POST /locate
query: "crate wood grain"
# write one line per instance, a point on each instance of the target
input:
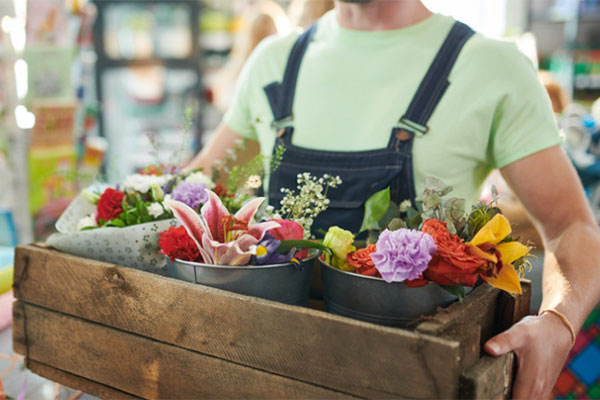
(118, 332)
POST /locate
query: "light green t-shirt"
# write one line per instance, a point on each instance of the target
(353, 87)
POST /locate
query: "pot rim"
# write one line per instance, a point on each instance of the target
(374, 278)
(242, 267)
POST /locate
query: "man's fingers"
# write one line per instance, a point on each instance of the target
(511, 339)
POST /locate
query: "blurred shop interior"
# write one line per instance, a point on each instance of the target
(93, 90)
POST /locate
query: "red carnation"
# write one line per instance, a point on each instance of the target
(176, 243)
(361, 260)
(109, 205)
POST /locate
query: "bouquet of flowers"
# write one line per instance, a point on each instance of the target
(436, 241)
(217, 236)
(121, 225)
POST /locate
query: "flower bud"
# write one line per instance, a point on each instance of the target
(92, 197)
(157, 193)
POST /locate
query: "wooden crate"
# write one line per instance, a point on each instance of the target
(117, 332)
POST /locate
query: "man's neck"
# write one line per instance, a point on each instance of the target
(381, 15)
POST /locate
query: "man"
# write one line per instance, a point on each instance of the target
(333, 95)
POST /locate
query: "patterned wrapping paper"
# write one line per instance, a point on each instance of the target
(133, 246)
(580, 379)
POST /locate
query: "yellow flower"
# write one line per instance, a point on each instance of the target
(340, 242)
(496, 230)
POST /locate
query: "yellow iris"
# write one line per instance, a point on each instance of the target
(494, 232)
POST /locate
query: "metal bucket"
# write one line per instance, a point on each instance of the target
(374, 300)
(285, 283)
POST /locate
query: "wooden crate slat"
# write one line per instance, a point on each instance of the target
(304, 344)
(74, 381)
(147, 368)
(490, 378)
(478, 308)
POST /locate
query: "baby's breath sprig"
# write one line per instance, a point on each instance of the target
(277, 157)
(309, 201)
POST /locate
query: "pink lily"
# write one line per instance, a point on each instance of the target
(222, 238)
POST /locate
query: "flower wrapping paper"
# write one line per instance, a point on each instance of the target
(133, 246)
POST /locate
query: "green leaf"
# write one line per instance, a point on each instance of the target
(287, 245)
(411, 213)
(431, 200)
(494, 194)
(434, 184)
(375, 209)
(117, 222)
(415, 222)
(396, 223)
(458, 291)
(130, 219)
(373, 237)
(142, 209)
(393, 212)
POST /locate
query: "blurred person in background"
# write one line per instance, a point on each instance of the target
(259, 21)
(303, 13)
(385, 92)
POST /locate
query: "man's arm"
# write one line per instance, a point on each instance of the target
(548, 186)
(216, 150)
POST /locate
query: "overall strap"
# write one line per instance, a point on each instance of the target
(434, 84)
(281, 95)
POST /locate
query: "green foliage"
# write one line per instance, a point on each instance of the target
(376, 207)
(481, 214)
(458, 291)
(287, 245)
(277, 157)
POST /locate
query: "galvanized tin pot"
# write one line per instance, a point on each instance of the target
(374, 300)
(285, 283)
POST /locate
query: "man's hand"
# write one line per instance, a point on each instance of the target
(548, 186)
(542, 345)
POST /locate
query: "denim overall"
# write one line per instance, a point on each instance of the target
(363, 173)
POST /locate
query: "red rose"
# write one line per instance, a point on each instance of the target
(222, 192)
(289, 230)
(109, 205)
(362, 262)
(452, 264)
(176, 243)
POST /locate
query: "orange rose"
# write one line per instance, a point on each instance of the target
(361, 261)
(452, 264)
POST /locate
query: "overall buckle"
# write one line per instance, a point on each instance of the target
(417, 129)
(283, 123)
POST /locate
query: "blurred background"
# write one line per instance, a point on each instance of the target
(93, 90)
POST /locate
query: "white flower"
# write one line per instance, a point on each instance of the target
(156, 210)
(254, 182)
(405, 205)
(86, 222)
(92, 197)
(142, 183)
(201, 178)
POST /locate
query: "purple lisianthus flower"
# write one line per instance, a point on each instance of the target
(192, 194)
(403, 254)
(266, 252)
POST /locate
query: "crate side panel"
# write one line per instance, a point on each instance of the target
(308, 345)
(77, 382)
(145, 367)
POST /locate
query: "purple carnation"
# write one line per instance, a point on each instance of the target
(403, 254)
(192, 194)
